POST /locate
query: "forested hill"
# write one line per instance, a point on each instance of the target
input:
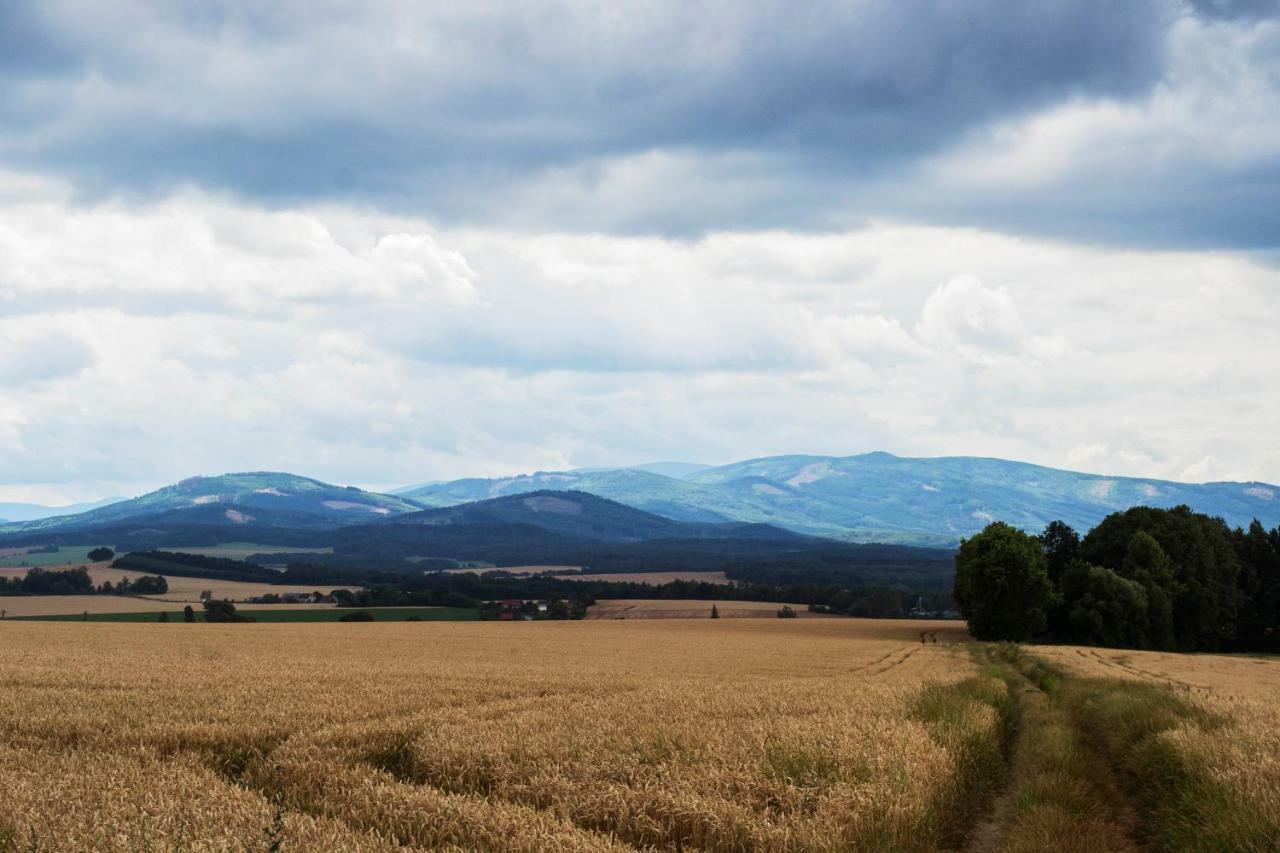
(251, 500)
(879, 497)
(578, 529)
(575, 513)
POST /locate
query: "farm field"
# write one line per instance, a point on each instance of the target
(1246, 678)
(657, 608)
(729, 735)
(295, 613)
(73, 555)
(25, 606)
(186, 589)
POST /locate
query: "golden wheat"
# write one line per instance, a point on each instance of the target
(747, 735)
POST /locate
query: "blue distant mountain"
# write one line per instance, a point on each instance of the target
(874, 497)
(880, 497)
(35, 512)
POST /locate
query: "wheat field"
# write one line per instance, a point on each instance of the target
(1230, 744)
(181, 591)
(726, 735)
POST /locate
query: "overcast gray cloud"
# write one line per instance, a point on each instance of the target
(530, 114)
(371, 348)
(1233, 9)
(385, 243)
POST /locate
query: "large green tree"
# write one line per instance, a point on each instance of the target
(1199, 578)
(1104, 608)
(1002, 584)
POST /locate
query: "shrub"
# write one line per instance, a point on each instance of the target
(358, 616)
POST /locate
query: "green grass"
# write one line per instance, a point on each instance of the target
(77, 554)
(313, 614)
(65, 555)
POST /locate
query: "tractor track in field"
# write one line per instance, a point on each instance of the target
(1129, 669)
(862, 668)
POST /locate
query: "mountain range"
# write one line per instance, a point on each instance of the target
(872, 497)
(879, 496)
(584, 515)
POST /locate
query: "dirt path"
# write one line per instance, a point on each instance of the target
(1061, 794)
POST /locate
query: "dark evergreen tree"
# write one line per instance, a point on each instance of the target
(1061, 545)
(1203, 568)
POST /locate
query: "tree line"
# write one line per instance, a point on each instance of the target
(1145, 578)
(466, 589)
(821, 586)
(38, 581)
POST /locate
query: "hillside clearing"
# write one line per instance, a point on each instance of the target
(244, 550)
(653, 578)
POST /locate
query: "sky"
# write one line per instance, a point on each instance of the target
(387, 242)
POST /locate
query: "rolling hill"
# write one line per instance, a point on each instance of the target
(881, 497)
(261, 499)
(570, 528)
(581, 514)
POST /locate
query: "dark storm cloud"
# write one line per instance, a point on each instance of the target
(790, 114)
(1232, 9)
(853, 83)
(31, 44)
